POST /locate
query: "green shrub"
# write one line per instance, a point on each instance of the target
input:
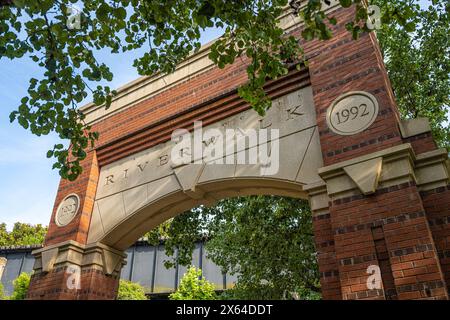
(194, 287)
(131, 291)
(21, 285)
(2, 292)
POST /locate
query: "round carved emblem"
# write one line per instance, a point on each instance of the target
(352, 113)
(67, 210)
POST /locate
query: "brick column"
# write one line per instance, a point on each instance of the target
(385, 227)
(324, 242)
(85, 187)
(71, 271)
(437, 207)
(65, 268)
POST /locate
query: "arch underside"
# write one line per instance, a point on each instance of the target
(131, 228)
(138, 193)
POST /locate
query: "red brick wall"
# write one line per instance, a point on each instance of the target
(403, 233)
(341, 65)
(326, 256)
(85, 187)
(437, 207)
(53, 286)
(422, 143)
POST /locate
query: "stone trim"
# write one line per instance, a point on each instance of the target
(2, 266)
(400, 165)
(414, 127)
(93, 256)
(432, 170)
(318, 199)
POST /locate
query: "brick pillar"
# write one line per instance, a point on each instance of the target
(375, 214)
(437, 206)
(65, 268)
(71, 271)
(85, 188)
(324, 242)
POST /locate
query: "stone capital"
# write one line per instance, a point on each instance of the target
(318, 197)
(97, 256)
(386, 168)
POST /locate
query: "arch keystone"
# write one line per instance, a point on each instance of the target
(188, 177)
(111, 261)
(366, 175)
(48, 259)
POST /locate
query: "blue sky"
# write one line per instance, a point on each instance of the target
(28, 185)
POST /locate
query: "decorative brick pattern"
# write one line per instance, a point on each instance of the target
(94, 284)
(407, 238)
(437, 206)
(422, 143)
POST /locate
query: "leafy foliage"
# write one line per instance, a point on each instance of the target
(131, 291)
(418, 64)
(194, 287)
(169, 29)
(23, 234)
(2, 292)
(266, 240)
(21, 285)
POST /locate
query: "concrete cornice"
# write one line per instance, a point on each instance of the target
(72, 253)
(385, 168)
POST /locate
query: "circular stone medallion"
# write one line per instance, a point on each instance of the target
(67, 210)
(352, 113)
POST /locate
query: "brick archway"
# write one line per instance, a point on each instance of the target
(380, 196)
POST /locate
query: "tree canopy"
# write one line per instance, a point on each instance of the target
(130, 291)
(194, 287)
(22, 234)
(266, 241)
(418, 64)
(48, 32)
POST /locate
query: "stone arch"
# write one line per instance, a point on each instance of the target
(137, 193)
(130, 229)
(378, 186)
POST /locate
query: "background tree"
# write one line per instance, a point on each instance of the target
(418, 64)
(266, 241)
(131, 291)
(22, 234)
(47, 31)
(2, 292)
(4, 235)
(194, 287)
(21, 285)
